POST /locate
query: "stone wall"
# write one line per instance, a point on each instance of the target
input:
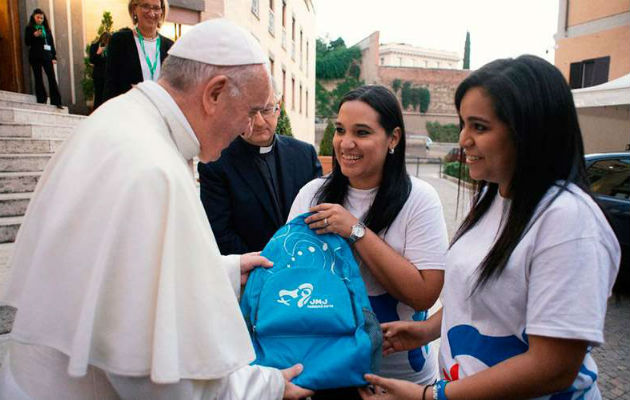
(441, 83)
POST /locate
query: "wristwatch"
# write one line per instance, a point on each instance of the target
(358, 231)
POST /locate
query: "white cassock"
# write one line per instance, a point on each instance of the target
(120, 287)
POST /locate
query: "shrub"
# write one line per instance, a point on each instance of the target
(454, 169)
(325, 146)
(448, 133)
(284, 123)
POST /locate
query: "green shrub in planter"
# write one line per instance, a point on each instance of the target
(455, 168)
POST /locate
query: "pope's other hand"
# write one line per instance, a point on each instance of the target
(250, 261)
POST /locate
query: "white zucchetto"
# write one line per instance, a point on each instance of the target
(224, 43)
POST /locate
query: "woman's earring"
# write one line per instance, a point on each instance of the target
(391, 150)
(135, 19)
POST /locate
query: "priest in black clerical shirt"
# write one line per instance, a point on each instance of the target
(248, 192)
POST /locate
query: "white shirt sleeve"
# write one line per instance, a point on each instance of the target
(247, 383)
(232, 266)
(304, 199)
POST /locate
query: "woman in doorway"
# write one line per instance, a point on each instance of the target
(98, 58)
(135, 55)
(531, 267)
(42, 55)
(394, 222)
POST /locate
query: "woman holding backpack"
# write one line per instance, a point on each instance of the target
(532, 265)
(394, 222)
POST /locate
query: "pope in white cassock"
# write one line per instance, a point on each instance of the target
(120, 288)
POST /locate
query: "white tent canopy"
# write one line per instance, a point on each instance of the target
(613, 93)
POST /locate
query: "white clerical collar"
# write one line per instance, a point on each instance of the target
(267, 149)
(183, 134)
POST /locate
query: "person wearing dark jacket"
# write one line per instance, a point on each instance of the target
(248, 192)
(135, 55)
(98, 54)
(42, 55)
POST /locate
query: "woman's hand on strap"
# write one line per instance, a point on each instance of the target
(331, 218)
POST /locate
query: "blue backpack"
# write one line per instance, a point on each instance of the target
(312, 308)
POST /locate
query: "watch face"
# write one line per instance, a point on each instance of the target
(358, 231)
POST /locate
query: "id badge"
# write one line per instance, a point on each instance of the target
(47, 47)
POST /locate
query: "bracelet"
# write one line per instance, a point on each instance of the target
(439, 390)
(424, 392)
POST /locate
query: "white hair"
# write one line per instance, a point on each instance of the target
(183, 74)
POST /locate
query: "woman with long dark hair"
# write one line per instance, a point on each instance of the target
(532, 265)
(98, 58)
(42, 55)
(393, 221)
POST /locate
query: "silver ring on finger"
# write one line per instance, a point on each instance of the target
(325, 222)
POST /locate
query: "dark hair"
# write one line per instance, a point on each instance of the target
(103, 39)
(395, 185)
(31, 21)
(533, 99)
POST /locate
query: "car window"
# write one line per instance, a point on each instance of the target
(610, 177)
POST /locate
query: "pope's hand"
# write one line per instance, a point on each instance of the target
(390, 389)
(292, 391)
(250, 261)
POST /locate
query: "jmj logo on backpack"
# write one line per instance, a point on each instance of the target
(303, 294)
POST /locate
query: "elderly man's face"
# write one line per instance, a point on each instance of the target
(264, 124)
(236, 113)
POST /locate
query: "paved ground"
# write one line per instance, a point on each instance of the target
(613, 358)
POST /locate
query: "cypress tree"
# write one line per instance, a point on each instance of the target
(467, 51)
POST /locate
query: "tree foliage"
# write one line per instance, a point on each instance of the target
(284, 123)
(416, 98)
(448, 133)
(467, 51)
(396, 84)
(325, 146)
(334, 59)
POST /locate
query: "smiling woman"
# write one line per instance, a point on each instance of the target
(393, 221)
(136, 55)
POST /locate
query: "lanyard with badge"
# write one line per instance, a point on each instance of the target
(41, 28)
(151, 66)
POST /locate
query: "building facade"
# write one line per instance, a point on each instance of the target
(406, 55)
(284, 28)
(592, 42)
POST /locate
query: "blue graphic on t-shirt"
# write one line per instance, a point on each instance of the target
(491, 350)
(384, 306)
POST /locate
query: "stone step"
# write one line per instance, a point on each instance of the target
(14, 204)
(18, 182)
(12, 115)
(23, 162)
(30, 106)
(36, 131)
(19, 97)
(25, 145)
(9, 227)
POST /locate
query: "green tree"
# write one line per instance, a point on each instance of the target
(334, 59)
(467, 51)
(396, 85)
(284, 123)
(425, 99)
(405, 95)
(325, 146)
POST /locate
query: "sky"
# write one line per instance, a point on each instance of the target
(498, 28)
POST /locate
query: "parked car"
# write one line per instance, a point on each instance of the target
(454, 154)
(609, 178)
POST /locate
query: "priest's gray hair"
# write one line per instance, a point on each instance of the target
(183, 74)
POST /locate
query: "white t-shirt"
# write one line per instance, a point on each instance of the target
(150, 47)
(419, 234)
(555, 284)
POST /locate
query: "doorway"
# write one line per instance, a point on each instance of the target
(11, 73)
